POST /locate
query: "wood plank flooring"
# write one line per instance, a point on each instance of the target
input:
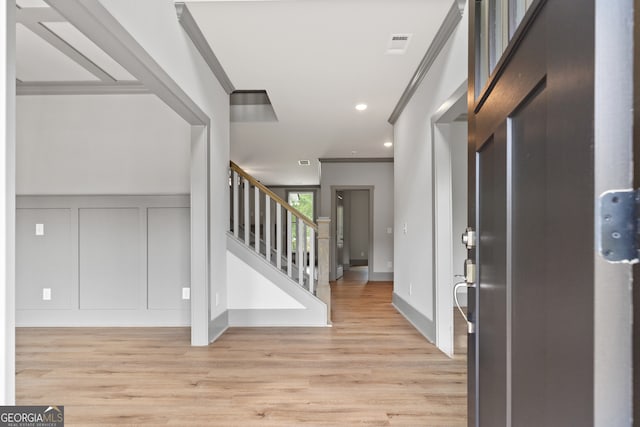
(371, 369)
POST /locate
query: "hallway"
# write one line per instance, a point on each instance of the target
(371, 368)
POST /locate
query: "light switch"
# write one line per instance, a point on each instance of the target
(39, 229)
(186, 293)
(389, 230)
(46, 294)
(389, 264)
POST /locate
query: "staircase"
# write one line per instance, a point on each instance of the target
(284, 239)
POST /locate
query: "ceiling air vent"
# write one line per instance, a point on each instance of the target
(398, 44)
(304, 162)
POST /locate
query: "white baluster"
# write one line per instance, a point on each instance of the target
(236, 202)
(279, 236)
(267, 226)
(289, 254)
(256, 219)
(247, 218)
(312, 259)
(301, 249)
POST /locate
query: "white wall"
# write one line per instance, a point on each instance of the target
(413, 171)
(359, 225)
(101, 144)
(250, 290)
(7, 202)
(153, 23)
(458, 143)
(379, 175)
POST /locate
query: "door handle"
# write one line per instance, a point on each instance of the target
(469, 240)
(470, 274)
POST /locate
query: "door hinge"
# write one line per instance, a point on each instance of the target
(618, 229)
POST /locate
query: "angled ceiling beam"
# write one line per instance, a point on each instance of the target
(32, 18)
(70, 51)
(38, 14)
(192, 29)
(92, 19)
(81, 88)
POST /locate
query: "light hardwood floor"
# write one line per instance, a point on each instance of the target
(371, 369)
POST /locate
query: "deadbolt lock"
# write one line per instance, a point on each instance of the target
(469, 238)
(470, 273)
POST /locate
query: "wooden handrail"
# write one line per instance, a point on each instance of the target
(273, 195)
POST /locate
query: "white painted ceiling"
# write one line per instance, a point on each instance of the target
(38, 60)
(316, 59)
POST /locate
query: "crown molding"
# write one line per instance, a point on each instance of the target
(356, 160)
(192, 29)
(454, 16)
(80, 88)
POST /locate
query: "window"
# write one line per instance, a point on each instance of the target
(303, 201)
(496, 23)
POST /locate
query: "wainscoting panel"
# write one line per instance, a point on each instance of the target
(168, 262)
(107, 260)
(44, 259)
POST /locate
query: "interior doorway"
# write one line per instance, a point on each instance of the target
(353, 247)
(449, 155)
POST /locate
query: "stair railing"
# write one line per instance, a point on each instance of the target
(251, 221)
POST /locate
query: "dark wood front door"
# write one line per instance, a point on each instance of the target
(532, 163)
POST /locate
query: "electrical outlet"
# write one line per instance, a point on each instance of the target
(186, 293)
(389, 264)
(46, 294)
(361, 253)
(404, 229)
(39, 229)
(410, 288)
(217, 299)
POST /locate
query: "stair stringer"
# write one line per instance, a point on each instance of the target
(312, 313)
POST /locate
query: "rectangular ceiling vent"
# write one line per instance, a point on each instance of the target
(398, 44)
(304, 162)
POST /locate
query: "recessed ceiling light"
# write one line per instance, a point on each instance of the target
(388, 144)
(361, 107)
(304, 162)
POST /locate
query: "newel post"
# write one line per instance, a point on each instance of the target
(323, 290)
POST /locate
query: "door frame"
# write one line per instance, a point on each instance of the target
(613, 145)
(444, 242)
(96, 22)
(636, 184)
(333, 228)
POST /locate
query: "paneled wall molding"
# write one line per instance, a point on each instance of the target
(104, 260)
